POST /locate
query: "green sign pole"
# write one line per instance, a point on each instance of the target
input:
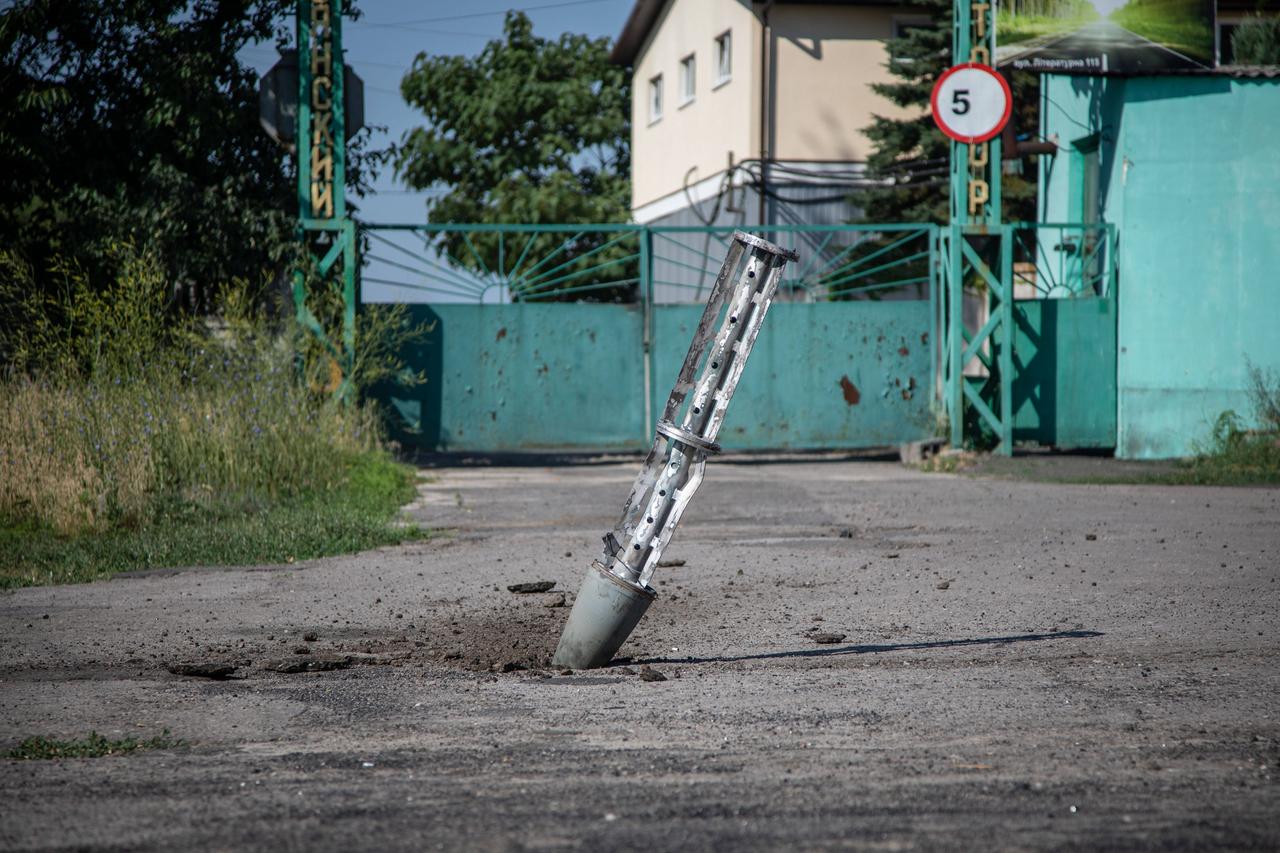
(979, 249)
(324, 230)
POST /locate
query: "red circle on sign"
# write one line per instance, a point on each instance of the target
(956, 135)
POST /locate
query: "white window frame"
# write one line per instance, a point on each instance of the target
(724, 59)
(655, 99)
(688, 79)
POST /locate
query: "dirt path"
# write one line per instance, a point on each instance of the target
(1025, 666)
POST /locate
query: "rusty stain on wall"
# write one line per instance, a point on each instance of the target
(502, 333)
(851, 395)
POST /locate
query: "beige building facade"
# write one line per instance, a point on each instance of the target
(741, 109)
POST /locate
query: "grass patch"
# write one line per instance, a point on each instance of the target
(94, 746)
(135, 437)
(354, 515)
(1178, 24)
(1235, 453)
(1245, 460)
(1013, 28)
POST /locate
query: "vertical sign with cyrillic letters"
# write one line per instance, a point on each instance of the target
(321, 99)
(979, 153)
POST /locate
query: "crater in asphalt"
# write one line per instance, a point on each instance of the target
(505, 637)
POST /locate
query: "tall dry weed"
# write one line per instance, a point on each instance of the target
(113, 413)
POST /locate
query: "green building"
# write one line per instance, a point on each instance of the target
(1187, 170)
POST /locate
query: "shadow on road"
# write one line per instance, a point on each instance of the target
(865, 649)
(570, 459)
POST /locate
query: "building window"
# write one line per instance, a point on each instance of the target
(655, 99)
(688, 80)
(724, 58)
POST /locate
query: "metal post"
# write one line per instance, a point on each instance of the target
(973, 169)
(955, 302)
(1006, 345)
(645, 287)
(616, 592)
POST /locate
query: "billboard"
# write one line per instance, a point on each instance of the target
(1105, 36)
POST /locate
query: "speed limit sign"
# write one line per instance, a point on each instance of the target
(971, 103)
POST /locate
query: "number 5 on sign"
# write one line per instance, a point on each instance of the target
(971, 103)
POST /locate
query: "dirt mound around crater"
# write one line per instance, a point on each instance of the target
(506, 637)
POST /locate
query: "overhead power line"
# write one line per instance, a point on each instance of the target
(499, 12)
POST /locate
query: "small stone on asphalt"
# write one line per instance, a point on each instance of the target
(534, 586)
(216, 671)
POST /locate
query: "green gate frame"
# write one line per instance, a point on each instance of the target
(979, 249)
(338, 230)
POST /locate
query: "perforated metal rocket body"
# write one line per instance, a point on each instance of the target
(616, 591)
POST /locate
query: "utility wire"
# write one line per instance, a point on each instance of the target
(499, 12)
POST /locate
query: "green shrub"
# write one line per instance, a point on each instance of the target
(1237, 455)
(1256, 41)
(118, 412)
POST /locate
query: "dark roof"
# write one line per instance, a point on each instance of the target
(1244, 71)
(635, 31)
(645, 13)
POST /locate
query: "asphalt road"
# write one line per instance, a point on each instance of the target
(1117, 48)
(1025, 666)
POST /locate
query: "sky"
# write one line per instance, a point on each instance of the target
(382, 45)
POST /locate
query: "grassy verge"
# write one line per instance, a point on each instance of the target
(135, 437)
(354, 515)
(94, 746)
(1250, 462)
(1179, 24)
(1011, 28)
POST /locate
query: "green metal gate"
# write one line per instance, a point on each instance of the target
(566, 337)
(1052, 288)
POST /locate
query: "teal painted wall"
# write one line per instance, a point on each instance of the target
(825, 375)
(571, 376)
(1064, 391)
(524, 377)
(1190, 175)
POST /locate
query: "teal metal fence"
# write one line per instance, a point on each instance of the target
(1029, 319)
(556, 337)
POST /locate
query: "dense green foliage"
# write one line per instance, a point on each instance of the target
(1019, 20)
(1184, 25)
(135, 121)
(529, 130)
(1256, 41)
(131, 439)
(911, 154)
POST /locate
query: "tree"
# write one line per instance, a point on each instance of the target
(134, 121)
(911, 155)
(529, 131)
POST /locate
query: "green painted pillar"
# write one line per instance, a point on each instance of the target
(322, 168)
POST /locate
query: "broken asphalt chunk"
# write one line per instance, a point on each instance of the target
(535, 586)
